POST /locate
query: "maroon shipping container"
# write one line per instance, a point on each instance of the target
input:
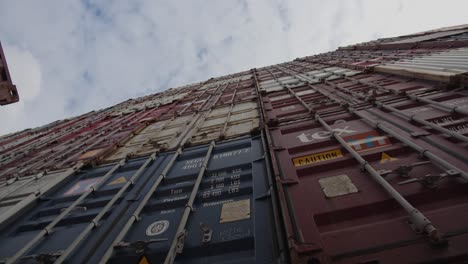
(335, 211)
(8, 92)
(370, 186)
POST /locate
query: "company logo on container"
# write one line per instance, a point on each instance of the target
(307, 138)
(367, 141)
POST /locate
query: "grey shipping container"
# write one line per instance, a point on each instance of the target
(206, 204)
(217, 124)
(20, 193)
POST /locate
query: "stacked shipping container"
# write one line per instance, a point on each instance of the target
(353, 156)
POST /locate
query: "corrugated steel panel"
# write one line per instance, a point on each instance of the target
(448, 66)
(229, 211)
(8, 92)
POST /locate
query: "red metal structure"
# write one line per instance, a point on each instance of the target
(8, 92)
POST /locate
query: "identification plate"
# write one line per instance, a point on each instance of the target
(235, 211)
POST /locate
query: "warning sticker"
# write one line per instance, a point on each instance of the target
(367, 141)
(317, 157)
(235, 211)
(385, 157)
(118, 181)
(143, 260)
(82, 186)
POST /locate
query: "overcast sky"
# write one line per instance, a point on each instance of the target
(71, 57)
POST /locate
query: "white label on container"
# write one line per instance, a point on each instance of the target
(193, 163)
(157, 228)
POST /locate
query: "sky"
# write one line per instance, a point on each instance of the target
(71, 57)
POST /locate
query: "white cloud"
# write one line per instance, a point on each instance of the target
(70, 57)
(26, 71)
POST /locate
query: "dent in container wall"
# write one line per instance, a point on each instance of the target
(232, 220)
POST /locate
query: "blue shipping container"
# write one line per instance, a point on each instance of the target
(207, 204)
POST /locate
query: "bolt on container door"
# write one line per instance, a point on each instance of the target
(336, 212)
(111, 187)
(231, 220)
